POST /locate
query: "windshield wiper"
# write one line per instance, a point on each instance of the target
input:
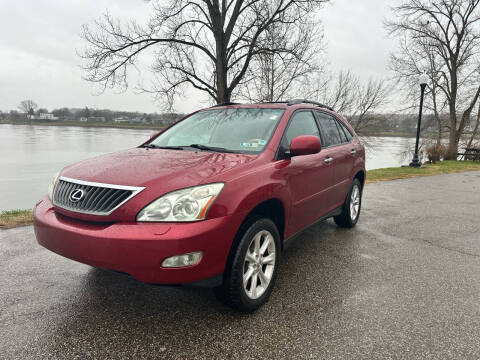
(152, 146)
(211, 148)
(195, 146)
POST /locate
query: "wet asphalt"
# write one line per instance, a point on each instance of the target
(404, 284)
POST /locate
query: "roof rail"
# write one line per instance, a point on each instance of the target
(274, 102)
(225, 104)
(304, 101)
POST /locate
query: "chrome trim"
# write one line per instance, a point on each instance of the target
(76, 198)
(134, 189)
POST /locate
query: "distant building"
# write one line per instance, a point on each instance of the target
(121, 119)
(43, 116)
(47, 116)
(140, 120)
(166, 119)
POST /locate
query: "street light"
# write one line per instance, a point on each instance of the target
(423, 84)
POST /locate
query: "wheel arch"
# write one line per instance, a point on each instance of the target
(273, 209)
(361, 176)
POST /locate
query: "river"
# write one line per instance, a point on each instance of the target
(31, 155)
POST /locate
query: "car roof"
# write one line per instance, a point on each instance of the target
(295, 104)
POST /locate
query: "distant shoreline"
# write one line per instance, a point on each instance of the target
(156, 127)
(86, 124)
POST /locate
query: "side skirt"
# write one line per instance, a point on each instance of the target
(287, 242)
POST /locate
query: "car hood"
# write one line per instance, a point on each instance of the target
(159, 171)
(165, 170)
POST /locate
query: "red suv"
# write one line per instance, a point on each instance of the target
(210, 201)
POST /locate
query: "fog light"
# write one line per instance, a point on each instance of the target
(182, 260)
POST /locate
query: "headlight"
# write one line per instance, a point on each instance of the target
(189, 204)
(52, 186)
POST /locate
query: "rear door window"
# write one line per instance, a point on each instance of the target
(343, 137)
(330, 132)
(345, 130)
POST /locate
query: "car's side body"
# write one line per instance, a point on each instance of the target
(306, 186)
(294, 191)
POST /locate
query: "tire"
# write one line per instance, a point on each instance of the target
(352, 207)
(259, 242)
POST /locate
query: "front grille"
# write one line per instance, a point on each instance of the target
(90, 197)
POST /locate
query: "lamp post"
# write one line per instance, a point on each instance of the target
(423, 84)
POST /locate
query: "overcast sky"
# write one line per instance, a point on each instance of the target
(39, 39)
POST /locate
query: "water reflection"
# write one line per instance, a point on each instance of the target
(382, 152)
(31, 155)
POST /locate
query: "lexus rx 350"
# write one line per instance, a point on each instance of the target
(210, 201)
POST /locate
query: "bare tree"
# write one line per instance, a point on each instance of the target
(450, 30)
(475, 130)
(28, 107)
(205, 44)
(276, 76)
(357, 101)
(406, 65)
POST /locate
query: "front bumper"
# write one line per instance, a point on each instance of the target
(138, 249)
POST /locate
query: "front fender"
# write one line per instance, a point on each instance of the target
(241, 196)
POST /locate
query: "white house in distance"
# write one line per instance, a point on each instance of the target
(92, 119)
(43, 116)
(47, 116)
(121, 119)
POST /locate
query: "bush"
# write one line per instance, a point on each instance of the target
(435, 152)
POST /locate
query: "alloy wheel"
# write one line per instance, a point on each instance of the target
(355, 202)
(259, 264)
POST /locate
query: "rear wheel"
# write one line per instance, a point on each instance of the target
(352, 206)
(251, 273)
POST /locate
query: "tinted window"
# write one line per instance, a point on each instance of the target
(348, 134)
(343, 137)
(302, 123)
(331, 135)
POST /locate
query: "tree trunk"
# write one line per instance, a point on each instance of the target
(223, 94)
(436, 115)
(439, 135)
(452, 138)
(475, 131)
(452, 150)
(272, 80)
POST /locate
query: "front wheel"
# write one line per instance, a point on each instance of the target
(250, 275)
(352, 206)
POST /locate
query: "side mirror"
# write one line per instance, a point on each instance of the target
(305, 145)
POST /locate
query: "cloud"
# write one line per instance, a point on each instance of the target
(38, 42)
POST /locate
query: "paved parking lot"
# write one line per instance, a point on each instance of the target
(405, 284)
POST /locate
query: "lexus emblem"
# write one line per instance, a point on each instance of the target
(76, 195)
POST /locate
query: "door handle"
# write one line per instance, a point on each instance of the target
(328, 160)
(353, 152)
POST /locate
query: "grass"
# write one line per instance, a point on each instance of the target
(14, 218)
(442, 167)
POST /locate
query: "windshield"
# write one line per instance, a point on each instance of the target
(242, 130)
